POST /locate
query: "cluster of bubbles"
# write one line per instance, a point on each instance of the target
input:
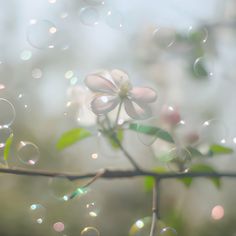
(142, 227)
(27, 152)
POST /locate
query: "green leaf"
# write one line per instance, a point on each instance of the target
(194, 152)
(201, 168)
(72, 136)
(217, 149)
(151, 130)
(8, 147)
(120, 136)
(149, 181)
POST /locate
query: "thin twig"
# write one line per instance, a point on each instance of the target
(155, 206)
(112, 174)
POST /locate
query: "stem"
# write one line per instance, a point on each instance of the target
(112, 174)
(118, 113)
(155, 205)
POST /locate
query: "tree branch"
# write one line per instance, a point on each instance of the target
(112, 174)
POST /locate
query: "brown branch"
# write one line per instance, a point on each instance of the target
(111, 174)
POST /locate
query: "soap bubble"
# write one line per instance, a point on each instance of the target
(164, 37)
(7, 112)
(114, 19)
(198, 34)
(37, 213)
(28, 153)
(89, 16)
(90, 231)
(202, 68)
(168, 231)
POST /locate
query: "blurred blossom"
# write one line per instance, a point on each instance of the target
(217, 212)
(80, 97)
(113, 89)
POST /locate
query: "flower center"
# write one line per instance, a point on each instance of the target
(124, 89)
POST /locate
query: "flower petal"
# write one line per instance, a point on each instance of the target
(119, 77)
(143, 94)
(137, 111)
(98, 83)
(104, 104)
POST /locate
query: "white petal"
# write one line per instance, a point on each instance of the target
(104, 104)
(98, 83)
(143, 94)
(137, 111)
(119, 77)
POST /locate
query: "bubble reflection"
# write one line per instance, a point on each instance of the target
(37, 213)
(114, 19)
(201, 68)
(199, 35)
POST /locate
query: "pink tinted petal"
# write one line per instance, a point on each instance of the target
(97, 83)
(119, 77)
(143, 94)
(104, 104)
(137, 111)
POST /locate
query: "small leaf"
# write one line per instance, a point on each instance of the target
(149, 181)
(119, 136)
(202, 168)
(217, 149)
(151, 130)
(194, 152)
(72, 136)
(8, 147)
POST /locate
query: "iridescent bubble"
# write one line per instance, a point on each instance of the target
(201, 68)
(42, 34)
(198, 34)
(90, 231)
(26, 55)
(37, 73)
(28, 153)
(61, 188)
(164, 37)
(114, 19)
(7, 112)
(179, 160)
(92, 209)
(58, 226)
(170, 115)
(89, 16)
(168, 231)
(37, 213)
(142, 227)
(5, 133)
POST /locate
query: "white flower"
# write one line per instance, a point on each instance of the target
(114, 88)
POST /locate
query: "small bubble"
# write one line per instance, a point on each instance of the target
(28, 153)
(37, 213)
(58, 226)
(164, 37)
(90, 231)
(201, 68)
(168, 231)
(42, 34)
(171, 115)
(89, 16)
(92, 209)
(64, 15)
(143, 226)
(22, 98)
(26, 55)
(69, 74)
(7, 112)
(94, 155)
(198, 35)
(61, 188)
(114, 19)
(179, 160)
(37, 73)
